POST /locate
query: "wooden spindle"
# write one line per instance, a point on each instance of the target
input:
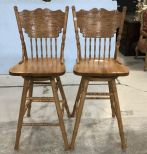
(36, 48)
(99, 48)
(94, 48)
(104, 54)
(109, 48)
(51, 47)
(85, 47)
(41, 47)
(46, 47)
(89, 47)
(31, 44)
(55, 47)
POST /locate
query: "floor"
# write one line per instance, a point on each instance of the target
(98, 132)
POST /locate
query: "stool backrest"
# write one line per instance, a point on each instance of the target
(97, 27)
(43, 28)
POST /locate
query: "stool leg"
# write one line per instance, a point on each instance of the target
(136, 52)
(30, 95)
(79, 112)
(145, 65)
(77, 98)
(59, 112)
(21, 113)
(118, 116)
(63, 96)
(111, 99)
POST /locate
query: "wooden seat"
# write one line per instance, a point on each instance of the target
(42, 34)
(100, 68)
(97, 60)
(142, 43)
(39, 67)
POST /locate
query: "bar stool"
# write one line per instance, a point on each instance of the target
(42, 62)
(96, 60)
(142, 43)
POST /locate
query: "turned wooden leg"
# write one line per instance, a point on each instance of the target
(59, 112)
(136, 52)
(118, 116)
(79, 112)
(21, 113)
(145, 65)
(111, 99)
(77, 98)
(63, 96)
(30, 95)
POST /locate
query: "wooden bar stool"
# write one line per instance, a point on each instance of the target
(44, 64)
(142, 42)
(97, 60)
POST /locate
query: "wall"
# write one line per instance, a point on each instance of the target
(10, 47)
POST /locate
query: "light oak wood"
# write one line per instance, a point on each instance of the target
(38, 67)
(79, 111)
(30, 93)
(97, 27)
(59, 112)
(142, 43)
(100, 68)
(111, 98)
(21, 113)
(63, 96)
(42, 64)
(118, 114)
(77, 98)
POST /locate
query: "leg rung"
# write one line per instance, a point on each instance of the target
(98, 94)
(40, 124)
(97, 98)
(41, 83)
(42, 99)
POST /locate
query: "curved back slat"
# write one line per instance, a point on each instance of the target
(98, 23)
(97, 27)
(43, 27)
(42, 23)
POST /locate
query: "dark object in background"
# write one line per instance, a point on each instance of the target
(130, 37)
(46, 0)
(130, 4)
(131, 29)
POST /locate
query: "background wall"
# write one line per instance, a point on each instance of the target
(10, 47)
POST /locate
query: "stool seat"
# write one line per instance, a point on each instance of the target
(100, 68)
(38, 67)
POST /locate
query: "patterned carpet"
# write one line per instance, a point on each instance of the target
(94, 137)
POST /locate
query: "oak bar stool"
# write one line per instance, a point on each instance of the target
(142, 43)
(97, 28)
(45, 64)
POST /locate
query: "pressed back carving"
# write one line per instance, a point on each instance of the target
(42, 23)
(98, 23)
(98, 28)
(43, 28)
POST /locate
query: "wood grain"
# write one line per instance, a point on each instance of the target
(43, 27)
(100, 68)
(98, 26)
(98, 23)
(38, 67)
(39, 25)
